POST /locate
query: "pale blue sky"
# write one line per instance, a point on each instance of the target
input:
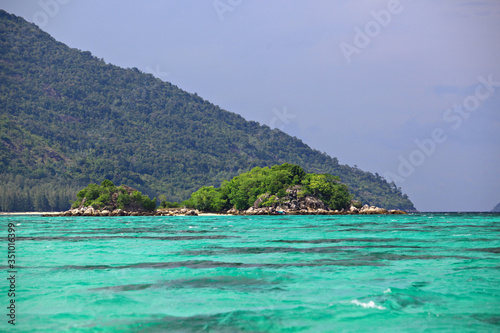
(359, 80)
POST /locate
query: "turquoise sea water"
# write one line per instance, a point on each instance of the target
(412, 273)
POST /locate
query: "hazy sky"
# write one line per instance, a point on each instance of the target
(408, 89)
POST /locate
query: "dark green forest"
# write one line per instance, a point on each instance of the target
(69, 119)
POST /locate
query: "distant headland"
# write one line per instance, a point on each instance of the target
(76, 119)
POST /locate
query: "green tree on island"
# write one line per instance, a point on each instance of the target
(108, 196)
(270, 185)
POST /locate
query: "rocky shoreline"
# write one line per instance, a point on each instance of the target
(365, 210)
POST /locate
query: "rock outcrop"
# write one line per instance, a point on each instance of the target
(292, 202)
(279, 210)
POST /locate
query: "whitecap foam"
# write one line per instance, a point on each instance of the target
(388, 291)
(369, 305)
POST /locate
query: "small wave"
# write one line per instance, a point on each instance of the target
(369, 305)
(388, 291)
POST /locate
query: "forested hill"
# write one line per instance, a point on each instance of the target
(68, 119)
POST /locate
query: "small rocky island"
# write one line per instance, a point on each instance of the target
(281, 189)
(110, 200)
